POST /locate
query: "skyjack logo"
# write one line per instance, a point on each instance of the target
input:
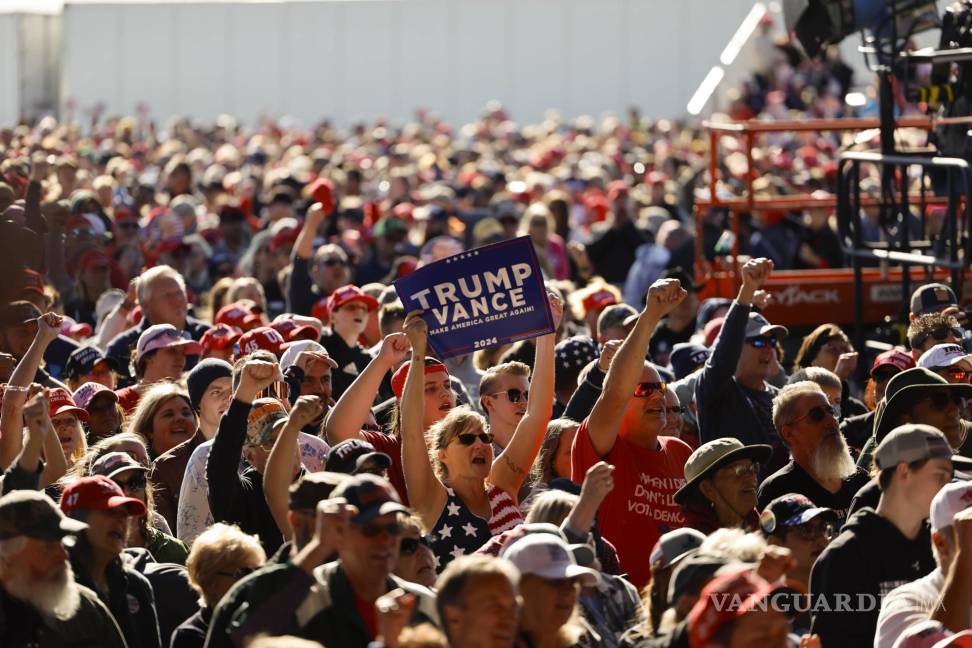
(794, 296)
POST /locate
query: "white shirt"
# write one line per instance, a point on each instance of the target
(908, 605)
(194, 517)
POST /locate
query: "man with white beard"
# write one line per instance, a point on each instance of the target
(821, 467)
(40, 604)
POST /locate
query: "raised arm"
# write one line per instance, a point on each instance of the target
(952, 609)
(598, 482)
(628, 364)
(11, 414)
(426, 493)
(300, 297)
(350, 413)
(510, 468)
(278, 474)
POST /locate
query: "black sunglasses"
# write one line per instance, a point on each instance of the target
(469, 439)
(409, 546)
(676, 409)
(134, 483)
(818, 414)
(330, 263)
(373, 530)
(760, 342)
(811, 531)
(515, 395)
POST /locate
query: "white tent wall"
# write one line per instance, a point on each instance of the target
(9, 66)
(29, 57)
(353, 60)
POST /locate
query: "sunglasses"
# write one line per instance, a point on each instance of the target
(939, 333)
(740, 470)
(676, 409)
(238, 574)
(330, 263)
(409, 546)
(812, 531)
(469, 439)
(957, 375)
(761, 342)
(940, 400)
(373, 530)
(82, 232)
(134, 483)
(646, 389)
(818, 414)
(515, 395)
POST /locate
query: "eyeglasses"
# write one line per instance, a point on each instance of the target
(469, 439)
(957, 375)
(330, 263)
(82, 232)
(810, 531)
(409, 546)
(135, 483)
(515, 395)
(761, 342)
(372, 530)
(940, 400)
(743, 469)
(676, 409)
(818, 414)
(238, 574)
(940, 333)
(646, 389)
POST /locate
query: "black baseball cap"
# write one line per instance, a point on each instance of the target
(83, 361)
(791, 510)
(352, 455)
(932, 298)
(17, 313)
(33, 514)
(371, 495)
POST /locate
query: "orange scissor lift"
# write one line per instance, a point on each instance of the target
(850, 296)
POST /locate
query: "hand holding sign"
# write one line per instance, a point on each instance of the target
(417, 332)
(663, 296)
(556, 308)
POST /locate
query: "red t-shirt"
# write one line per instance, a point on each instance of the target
(392, 446)
(368, 614)
(641, 506)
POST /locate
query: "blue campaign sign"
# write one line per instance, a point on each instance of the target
(480, 298)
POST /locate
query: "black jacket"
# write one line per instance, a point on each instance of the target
(92, 626)
(175, 600)
(792, 478)
(236, 497)
(351, 361)
(866, 561)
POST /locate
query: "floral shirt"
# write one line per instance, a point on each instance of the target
(194, 516)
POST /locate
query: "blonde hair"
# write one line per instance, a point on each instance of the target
(149, 405)
(219, 548)
(458, 421)
(493, 374)
(552, 506)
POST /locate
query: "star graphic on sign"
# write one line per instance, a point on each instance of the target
(454, 509)
(469, 529)
(446, 531)
(457, 552)
(437, 563)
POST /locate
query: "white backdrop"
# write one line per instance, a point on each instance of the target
(352, 60)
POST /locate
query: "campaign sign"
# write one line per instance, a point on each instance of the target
(480, 298)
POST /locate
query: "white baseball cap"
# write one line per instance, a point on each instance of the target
(294, 349)
(949, 502)
(943, 355)
(547, 556)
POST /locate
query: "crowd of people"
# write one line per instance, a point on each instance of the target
(211, 432)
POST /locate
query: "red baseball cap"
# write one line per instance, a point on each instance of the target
(220, 336)
(347, 294)
(291, 330)
(98, 493)
(243, 314)
(598, 300)
(264, 338)
(711, 330)
(725, 599)
(283, 238)
(60, 401)
(398, 378)
(893, 358)
(320, 309)
(33, 281)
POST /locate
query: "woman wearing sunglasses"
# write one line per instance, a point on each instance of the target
(469, 495)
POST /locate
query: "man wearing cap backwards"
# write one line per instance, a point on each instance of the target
(40, 603)
(161, 293)
(349, 308)
(933, 298)
(160, 355)
(878, 550)
(249, 429)
(821, 467)
(210, 390)
(87, 364)
(334, 602)
(946, 593)
(623, 429)
(97, 561)
(732, 394)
